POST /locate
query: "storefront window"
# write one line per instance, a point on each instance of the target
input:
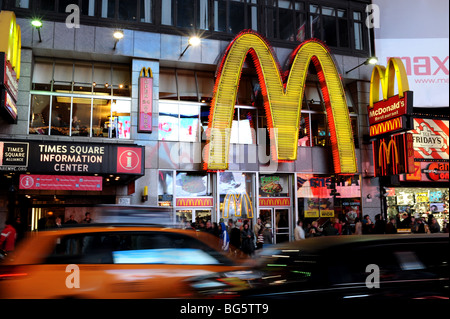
(73, 110)
(179, 122)
(165, 188)
(274, 185)
(193, 184)
(319, 130)
(424, 203)
(236, 191)
(328, 196)
(39, 114)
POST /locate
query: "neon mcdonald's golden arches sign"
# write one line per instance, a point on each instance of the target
(283, 96)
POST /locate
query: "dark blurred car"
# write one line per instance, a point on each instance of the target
(340, 267)
(105, 261)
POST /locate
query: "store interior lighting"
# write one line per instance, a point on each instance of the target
(370, 60)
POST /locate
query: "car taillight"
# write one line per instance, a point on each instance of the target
(11, 272)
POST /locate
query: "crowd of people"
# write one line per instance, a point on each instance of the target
(237, 236)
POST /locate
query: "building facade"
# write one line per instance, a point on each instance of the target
(82, 94)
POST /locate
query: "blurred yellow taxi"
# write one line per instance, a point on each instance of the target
(100, 261)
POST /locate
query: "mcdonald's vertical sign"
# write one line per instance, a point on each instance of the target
(394, 155)
(10, 50)
(145, 100)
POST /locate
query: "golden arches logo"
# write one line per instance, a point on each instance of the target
(10, 39)
(231, 198)
(385, 127)
(387, 150)
(282, 100)
(146, 72)
(386, 77)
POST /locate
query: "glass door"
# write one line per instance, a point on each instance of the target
(282, 228)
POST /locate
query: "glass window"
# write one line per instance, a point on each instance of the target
(193, 184)
(168, 122)
(108, 8)
(42, 75)
(236, 192)
(63, 77)
(187, 85)
(81, 117)
(165, 188)
(60, 115)
(247, 126)
(236, 16)
(39, 114)
(319, 130)
(274, 185)
(189, 123)
(23, 4)
(48, 5)
(88, 7)
(146, 11)
(220, 16)
(82, 78)
(304, 131)
(205, 82)
(203, 17)
(166, 13)
(204, 118)
(185, 13)
(71, 114)
(167, 84)
(128, 10)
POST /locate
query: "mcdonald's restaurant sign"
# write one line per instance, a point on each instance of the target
(10, 50)
(274, 201)
(391, 114)
(283, 96)
(236, 203)
(195, 202)
(145, 100)
(394, 155)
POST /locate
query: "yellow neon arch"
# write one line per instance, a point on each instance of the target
(283, 101)
(386, 77)
(10, 39)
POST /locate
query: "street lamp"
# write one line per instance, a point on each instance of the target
(118, 34)
(370, 60)
(193, 41)
(37, 24)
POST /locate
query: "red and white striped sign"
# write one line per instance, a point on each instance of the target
(430, 139)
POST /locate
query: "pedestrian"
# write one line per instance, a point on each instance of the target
(87, 218)
(224, 238)
(256, 228)
(71, 220)
(299, 232)
(58, 222)
(8, 237)
(367, 225)
(420, 228)
(235, 238)
(247, 239)
(434, 226)
(267, 235)
(260, 238)
(391, 227)
(209, 228)
(358, 226)
(330, 230)
(314, 230)
(337, 224)
(346, 228)
(380, 225)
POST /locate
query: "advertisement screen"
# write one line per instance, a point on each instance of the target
(407, 29)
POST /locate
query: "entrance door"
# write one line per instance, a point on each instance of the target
(278, 219)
